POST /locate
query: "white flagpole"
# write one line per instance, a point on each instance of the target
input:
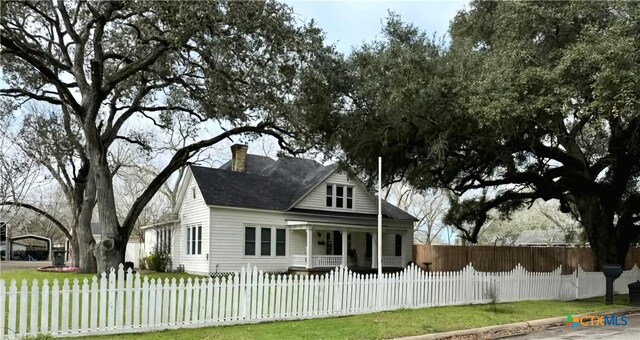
(379, 217)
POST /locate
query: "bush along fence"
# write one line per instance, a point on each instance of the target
(112, 304)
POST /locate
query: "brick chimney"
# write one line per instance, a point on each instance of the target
(239, 157)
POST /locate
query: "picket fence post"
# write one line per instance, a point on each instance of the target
(110, 303)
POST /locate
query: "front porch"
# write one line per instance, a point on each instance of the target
(329, 245)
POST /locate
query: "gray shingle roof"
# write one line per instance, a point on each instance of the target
(268, 184)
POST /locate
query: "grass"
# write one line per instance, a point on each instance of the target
(389, 324)
(31, 274)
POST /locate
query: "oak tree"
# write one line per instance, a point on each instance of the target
(108, 64)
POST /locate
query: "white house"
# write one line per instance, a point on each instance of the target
(289, 214)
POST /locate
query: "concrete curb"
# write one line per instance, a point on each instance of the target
(524, 327)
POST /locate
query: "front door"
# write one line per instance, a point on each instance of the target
(334, 243)
(337, 243)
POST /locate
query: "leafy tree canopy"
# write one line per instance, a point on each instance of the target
(247, 66)
(531, 100)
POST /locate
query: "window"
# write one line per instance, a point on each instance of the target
(265, 241)
(270, 241)
(194, 240)
(339, 196)
(398, 245)
(368, 249)
(199, 239)
(250, 241)
(281, 242)
(193, 192)
(188, 240)
(163, 240)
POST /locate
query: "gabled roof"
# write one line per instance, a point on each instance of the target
(268, 184)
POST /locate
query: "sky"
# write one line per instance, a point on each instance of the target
(349, 23)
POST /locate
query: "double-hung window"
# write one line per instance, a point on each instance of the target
(398, 245)
(281, 242)
(163, 240)
(250, 241)
(339, 196)
(265, 241)
(194, 239)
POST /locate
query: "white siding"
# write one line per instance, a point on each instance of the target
(134, 252)
(316, 199)
(227, 240)
(149, 241)
(389, 244)
(193, 211)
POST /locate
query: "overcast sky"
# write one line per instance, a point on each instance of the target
(349, 23)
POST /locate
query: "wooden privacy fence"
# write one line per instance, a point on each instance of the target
(497, 259)
(111, 304)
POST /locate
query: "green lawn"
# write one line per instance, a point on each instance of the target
(31, 274)
(390, 324)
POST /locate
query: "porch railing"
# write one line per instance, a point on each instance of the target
(300, 260)
(392, 261)
(318, 260)
(327, 260)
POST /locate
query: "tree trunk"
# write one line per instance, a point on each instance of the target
(85, 235)
(74, 250)
(601, 233)
(87, 244)
(110, 251)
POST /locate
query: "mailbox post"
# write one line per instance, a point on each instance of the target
(611, 272)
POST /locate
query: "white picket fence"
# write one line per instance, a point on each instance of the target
(111, 304)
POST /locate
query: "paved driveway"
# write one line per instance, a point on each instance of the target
(13, 265)
(631, 331)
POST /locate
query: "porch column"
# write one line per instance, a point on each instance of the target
(309, 248)
(374, 250)
(345, 239)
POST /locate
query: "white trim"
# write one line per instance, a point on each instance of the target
(345, 197)
(183, 188)
(258, 241)
(321, 213)
(302, 225)
(160, 224)
(188, 228)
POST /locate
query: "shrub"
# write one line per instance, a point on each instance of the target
(38, 337)
(142, 263)
(159, 260)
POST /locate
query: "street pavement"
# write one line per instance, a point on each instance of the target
(629, 332)
(13, 265)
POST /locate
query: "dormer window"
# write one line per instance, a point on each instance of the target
(339, 196)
